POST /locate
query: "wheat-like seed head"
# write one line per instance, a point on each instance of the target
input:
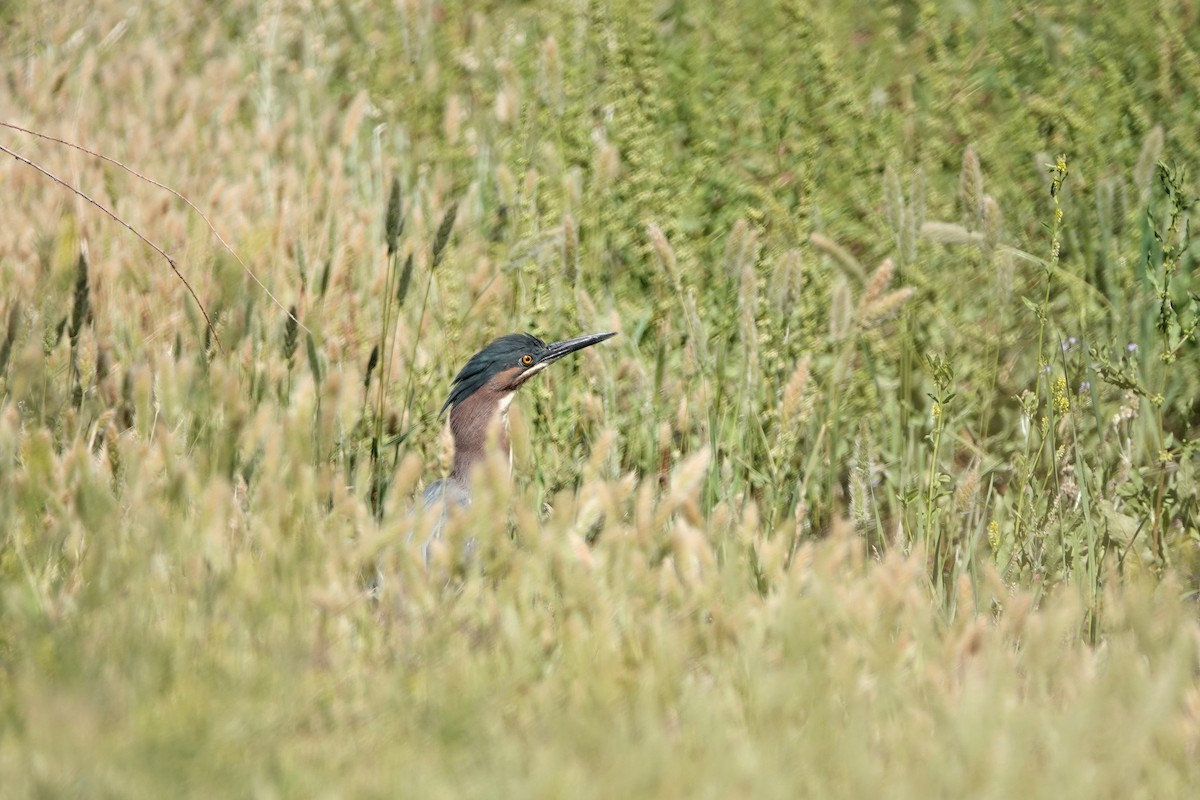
(970, 187)
(967, 491)
(840, 255)
(793, 393)
(786, 280)
(570, 249)
(950, 233)
(840, 309)
(879, 282)
(993, 223)
(1143, 171)
(662, 249)
(886, 307)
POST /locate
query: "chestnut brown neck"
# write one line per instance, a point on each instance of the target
(471, 419)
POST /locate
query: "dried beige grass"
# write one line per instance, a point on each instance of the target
(1147, 163)
(886, 307)
(970, 188)
(880, 280)
(950, 233)
(794, 393)
(840, 255)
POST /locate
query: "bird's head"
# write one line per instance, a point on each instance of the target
(505, 364)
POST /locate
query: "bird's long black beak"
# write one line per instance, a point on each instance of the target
(557, 350)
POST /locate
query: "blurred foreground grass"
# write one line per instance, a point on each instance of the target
(887, 488)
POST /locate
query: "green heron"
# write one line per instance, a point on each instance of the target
(481, 392)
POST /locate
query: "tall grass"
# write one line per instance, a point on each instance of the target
(887, 487)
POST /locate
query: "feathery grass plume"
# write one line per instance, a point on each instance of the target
(794, 393)
(893, 201)
(1147, 163)
(82, 306)
(841, 256)
(323, 283)
(915, 216)
(735, 248)
(860, 506)
(53, 335)
(301, 265)
(443, 234)
(683, 416)
(607, 165)
(664, 453)
(80, 311)
(103, 365)
(394, 225)
(441, 239)
(745, 257)
(552, 75)
(314, 360)
(290, 331)
(10, 334)
(405, 280)
(993, 225)
(967, 492)
(970, 188)
(696, 330)
(841, 310)
(507, 105)
(1120, 205)
(950, 233)
(372, 362)
(140, 176)
(353, 118)
(452, 118)
(800, 521)
(572, 188)
(786, 280)
(666, 255)
(905, 218)
(692, 554)
(1105, 207)
(895, 212)
(885, 307)
(879, 282)
(684, 486)
(570, 251)
(385, 346)
(506, 186)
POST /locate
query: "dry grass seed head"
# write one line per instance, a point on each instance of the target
(887, 307)
(840, 255)
(794, 392)
(1147, 163)
(879, 282)
(993, 222)
(970, 180)
(840, 309)
(663, 251)
(786, 280)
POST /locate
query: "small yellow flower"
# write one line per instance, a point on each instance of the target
(1062, 401)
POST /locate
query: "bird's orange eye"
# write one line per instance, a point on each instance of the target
(527, 359)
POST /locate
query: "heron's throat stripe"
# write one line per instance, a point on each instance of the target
(504, 403)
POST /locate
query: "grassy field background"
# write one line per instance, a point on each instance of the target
(886, 488)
